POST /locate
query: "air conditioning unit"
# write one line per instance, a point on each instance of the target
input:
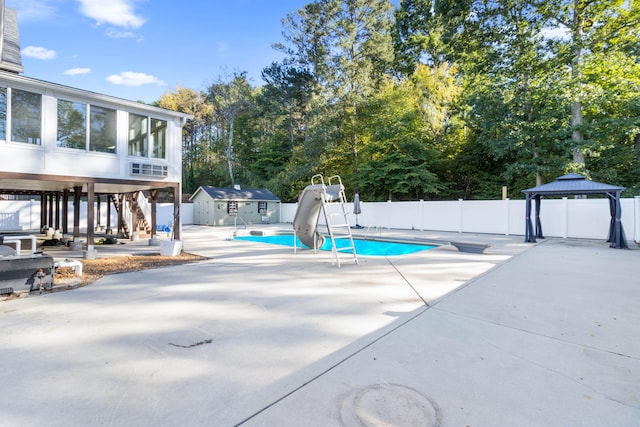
(148, 169)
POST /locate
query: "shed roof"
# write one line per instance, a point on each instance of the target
(220, 193)
(572, 183)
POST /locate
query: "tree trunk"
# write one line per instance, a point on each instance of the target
(228, 152)
(576, 106)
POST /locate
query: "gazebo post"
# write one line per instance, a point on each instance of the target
(538, 223)
(529, 235)
(619, 240)
(612, 222)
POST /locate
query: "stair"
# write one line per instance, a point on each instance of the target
(337, 220)
(133, 212)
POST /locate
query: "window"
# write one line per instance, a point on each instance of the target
(232, 208)
(158, 139)
(26, 116)
(147, 137)
(72, 124)
(3, 113)
(102, 135)
(137, 135)
(262, 208)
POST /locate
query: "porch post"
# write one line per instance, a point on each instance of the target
(77, 193)
(91, 220)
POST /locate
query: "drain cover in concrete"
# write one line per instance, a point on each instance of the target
(387, 405)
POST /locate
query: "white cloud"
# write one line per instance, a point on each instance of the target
(115, 12)
(77, 71)
(115, 34)
(38, 52)
(129, 78)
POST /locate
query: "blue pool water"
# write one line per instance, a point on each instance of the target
(363, 247)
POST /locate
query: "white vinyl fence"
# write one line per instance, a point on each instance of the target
(25, 214)
(566, 217)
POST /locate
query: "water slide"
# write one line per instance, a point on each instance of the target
(305, 222)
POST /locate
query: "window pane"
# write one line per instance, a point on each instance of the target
(26, 110)
(72, 124)
(103, 129)
(158, 138)
(3, 113)
(137, 135)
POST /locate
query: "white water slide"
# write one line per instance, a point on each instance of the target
(319, 196)
(305, 222)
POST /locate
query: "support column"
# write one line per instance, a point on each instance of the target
(154, 201)
(98, 203)
(176, 213)
(77, 193)
(57, 214)
(91, 222)
(43, 210)
(51, 223)
(65, 211)
(108, 212)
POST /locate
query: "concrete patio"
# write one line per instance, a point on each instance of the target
(544, 334)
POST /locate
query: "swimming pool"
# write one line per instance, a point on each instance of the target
(363, 246)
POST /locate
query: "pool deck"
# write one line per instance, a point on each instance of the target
(544, 334)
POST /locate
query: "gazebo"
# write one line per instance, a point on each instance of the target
(574, 184)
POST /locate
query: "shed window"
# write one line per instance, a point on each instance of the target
(262, 208)
(232, 207)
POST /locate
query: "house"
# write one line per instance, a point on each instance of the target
(60, 143)
(230, 206)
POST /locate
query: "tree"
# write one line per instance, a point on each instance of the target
(196, 135)
(518, 105)
(230, 98)
(291, 88)
(348, 55)
(591, 26)
(428, 32)
(410, 131)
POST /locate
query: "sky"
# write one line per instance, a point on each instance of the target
(141, 49)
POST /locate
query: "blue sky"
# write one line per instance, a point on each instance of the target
(141, 49)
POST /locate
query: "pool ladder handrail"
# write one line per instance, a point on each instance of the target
(340, 230)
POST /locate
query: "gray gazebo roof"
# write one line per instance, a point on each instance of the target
(572, 184)
(221, 193)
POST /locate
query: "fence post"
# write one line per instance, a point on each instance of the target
(507, 216)
(421, 214)
(565, 217)
(636, 219)
(460, 227)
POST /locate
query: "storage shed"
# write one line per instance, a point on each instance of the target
(231, 206)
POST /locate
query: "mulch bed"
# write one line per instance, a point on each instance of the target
(93, 269)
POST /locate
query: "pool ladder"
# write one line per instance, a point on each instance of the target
(337, 219)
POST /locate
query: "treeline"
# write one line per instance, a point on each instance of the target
(432, 99)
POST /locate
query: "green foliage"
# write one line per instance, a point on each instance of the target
(437, 99)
